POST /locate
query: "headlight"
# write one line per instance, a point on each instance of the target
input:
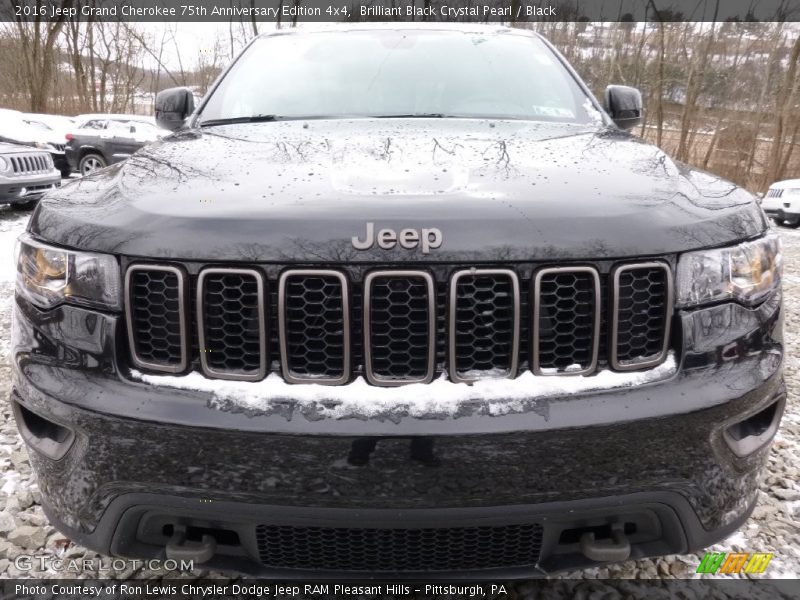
(48, 276)
(746, 273)
(3, 164)
(44, 146)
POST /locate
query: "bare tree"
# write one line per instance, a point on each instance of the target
(38, 39)
(784, 104)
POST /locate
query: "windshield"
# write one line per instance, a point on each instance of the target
(38, 125)
(399, 73)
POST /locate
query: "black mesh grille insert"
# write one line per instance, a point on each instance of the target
(318, 330)
(232, 323)
(642, 299)
(377, 550)
(315, 320)
(483, 319)
(400, 324)
(567, 311)
(155, 316)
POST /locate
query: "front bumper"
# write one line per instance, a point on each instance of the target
(24, 189)
(142, 460)
(783, 213)
(60, 161)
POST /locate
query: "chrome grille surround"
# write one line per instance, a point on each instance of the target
(288, 375)
(614, 318)
(369, 280)
(536, 321)
(261, 372)
(455, 376)
(181, 316)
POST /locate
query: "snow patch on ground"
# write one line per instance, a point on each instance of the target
(440, 397)
(11, 226)
(9, 232)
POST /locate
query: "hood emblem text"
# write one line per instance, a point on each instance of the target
(425, 239)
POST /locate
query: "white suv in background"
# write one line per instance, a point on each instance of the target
(26, 174)
(782, 202)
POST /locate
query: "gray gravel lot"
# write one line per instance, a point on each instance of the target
(773, 527)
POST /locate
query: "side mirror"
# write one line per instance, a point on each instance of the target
(624, 105)
(173, 106)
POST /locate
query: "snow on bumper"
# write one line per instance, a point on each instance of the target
(436, 399)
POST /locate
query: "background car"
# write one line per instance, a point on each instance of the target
(15, 129)
(782, 202)
(57, 123)
(96, 120)
(103, 140)
(25, 175)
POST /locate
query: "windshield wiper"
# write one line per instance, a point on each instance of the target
(234, 120)
(262, 118)
(417, 116)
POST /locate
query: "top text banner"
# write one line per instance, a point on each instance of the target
(469, 11)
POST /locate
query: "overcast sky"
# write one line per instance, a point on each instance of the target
(192, 38)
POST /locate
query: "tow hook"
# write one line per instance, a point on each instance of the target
(179, 548)
(614, 550)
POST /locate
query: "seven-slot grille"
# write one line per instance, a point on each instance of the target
(408, 549)
(27, 164)
(397, 326)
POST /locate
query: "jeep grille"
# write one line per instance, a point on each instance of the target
(231, 317)
(155, 311)
(314, 326)
(397, 326)
(640, 325)
(29, 163)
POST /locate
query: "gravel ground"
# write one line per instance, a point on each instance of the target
(773, 527)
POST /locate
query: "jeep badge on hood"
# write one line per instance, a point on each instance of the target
(407, 238)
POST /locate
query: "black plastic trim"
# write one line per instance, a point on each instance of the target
(116, 533)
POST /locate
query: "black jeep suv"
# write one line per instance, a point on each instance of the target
(398, 301)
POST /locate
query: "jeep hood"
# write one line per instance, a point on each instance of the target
(300, 190)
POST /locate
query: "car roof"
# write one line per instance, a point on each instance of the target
(9, 114)
(46, 116)
(113, 117)
(785, 184)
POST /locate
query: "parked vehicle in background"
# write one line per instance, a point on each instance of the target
(782, 202)
(58, 123)
(95, 120)
(25, 175)
(15, 128)
(105, 140)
